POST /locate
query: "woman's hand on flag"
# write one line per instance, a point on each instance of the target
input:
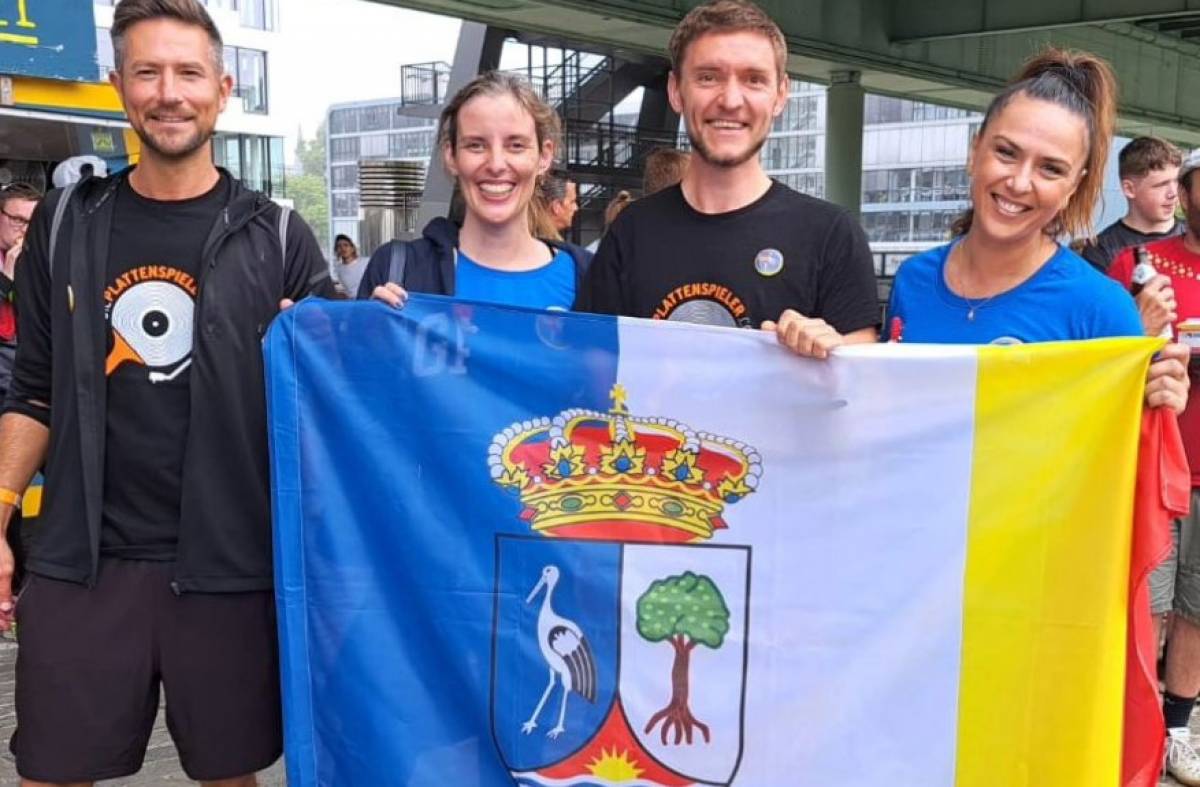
(392, 294)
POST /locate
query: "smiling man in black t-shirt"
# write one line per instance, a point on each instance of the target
(729, 246)
(142, 301)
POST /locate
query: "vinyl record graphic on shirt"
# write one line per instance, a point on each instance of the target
(152, 327)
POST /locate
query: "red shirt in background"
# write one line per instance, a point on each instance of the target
(1173, 259)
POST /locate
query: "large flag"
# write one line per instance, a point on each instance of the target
(530, 548)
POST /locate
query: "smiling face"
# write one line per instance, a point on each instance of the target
(1025, 165)
(497, 158)
(1154, 196)
(171, 87)
(728, 91)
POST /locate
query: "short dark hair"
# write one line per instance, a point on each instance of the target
(19, 191)
(190, 12)
(554, 185)
(1143, 155)
(339, 238)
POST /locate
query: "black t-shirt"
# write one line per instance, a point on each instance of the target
(152, 277)
(1119, 236)
(666, 260)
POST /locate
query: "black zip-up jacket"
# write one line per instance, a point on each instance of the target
(225, 513)
(429, 266)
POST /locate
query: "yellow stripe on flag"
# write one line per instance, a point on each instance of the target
(1044, 605)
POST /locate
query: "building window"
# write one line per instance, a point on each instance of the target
(343, 148)
(345, 177)
(256, 161)
(373, 146)
(411, 144)
(343, 121)
(374, 118)
(258, 14)
(248, 67)
(345, 205)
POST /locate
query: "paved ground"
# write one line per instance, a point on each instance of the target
(161, 766)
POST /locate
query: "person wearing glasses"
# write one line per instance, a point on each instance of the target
(17, 202)
(16, 207)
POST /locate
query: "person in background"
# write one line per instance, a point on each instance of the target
(1149, 172)
(348, 266)
(613, 209)
(78, 168)
(1173, 300)
(497, 138)
(664, 168)
(17, 202)
(562, 201)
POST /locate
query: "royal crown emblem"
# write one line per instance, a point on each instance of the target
(592, 475)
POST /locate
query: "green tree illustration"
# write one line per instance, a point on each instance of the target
(685, 610)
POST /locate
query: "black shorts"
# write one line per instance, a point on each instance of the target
(90, 662)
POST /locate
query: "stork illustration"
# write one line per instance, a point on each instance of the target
(566, 652)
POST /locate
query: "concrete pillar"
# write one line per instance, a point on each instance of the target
(844, 140)
(478, 50)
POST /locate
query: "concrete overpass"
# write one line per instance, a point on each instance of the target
(956, 52)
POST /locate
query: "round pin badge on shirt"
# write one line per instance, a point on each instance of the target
(768, 262)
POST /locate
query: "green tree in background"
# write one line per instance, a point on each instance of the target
(308, 190)
(685, 610)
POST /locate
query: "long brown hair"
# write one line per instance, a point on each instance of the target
(1083, 84)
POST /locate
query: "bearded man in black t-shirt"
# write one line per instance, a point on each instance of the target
(142, 300)
(729, 246)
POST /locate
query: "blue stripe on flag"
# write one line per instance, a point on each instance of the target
(369, 681)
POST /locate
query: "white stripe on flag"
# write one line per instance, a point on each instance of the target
(857, 535)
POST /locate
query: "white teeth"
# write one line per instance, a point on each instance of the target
(1009, 207)
(496, 188)
(726, 124)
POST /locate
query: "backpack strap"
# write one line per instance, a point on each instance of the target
(285, 215)
(398, 262)
(60, 210)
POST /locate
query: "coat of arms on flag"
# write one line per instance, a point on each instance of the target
(625, 659)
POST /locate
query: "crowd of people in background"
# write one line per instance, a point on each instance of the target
(138, 388)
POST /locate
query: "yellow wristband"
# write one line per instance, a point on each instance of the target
(9, 498)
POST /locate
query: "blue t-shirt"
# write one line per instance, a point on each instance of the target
(1066, 299)
(551, 286)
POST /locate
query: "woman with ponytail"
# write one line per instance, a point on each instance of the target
(1037, 168)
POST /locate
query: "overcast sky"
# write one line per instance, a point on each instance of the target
(331, 51)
